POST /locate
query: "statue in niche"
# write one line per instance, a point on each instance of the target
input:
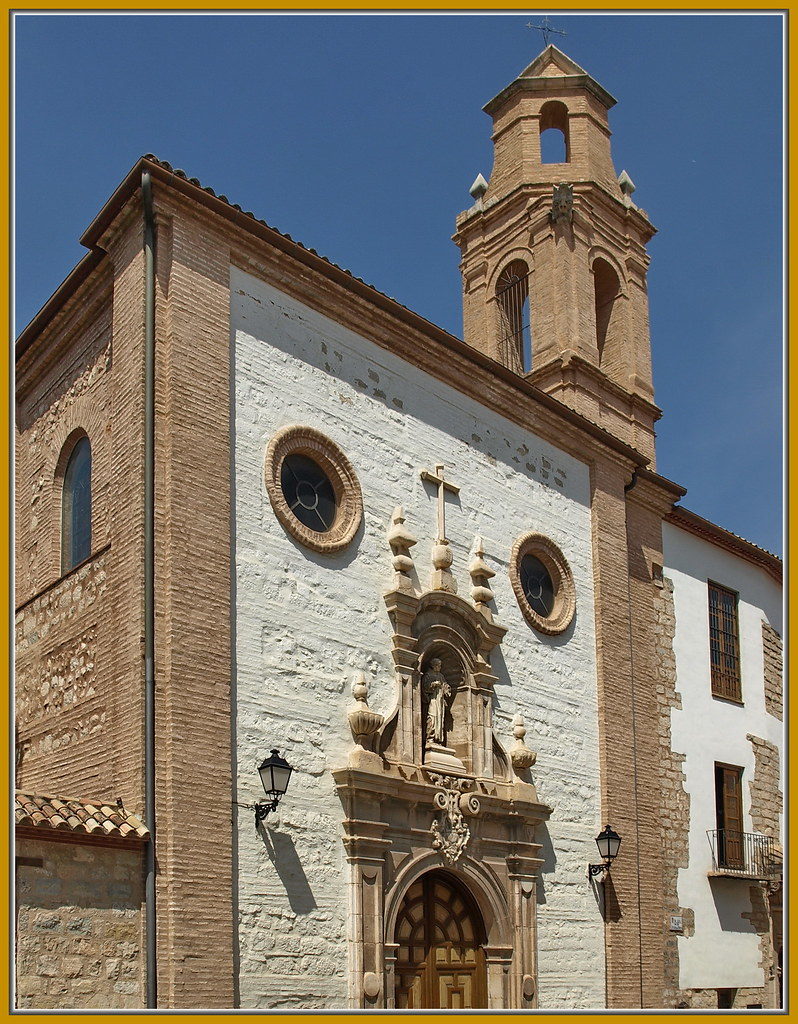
(435, 690)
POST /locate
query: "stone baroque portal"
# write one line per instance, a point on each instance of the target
(430, 789)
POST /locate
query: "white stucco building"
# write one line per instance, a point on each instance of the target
(727, 598)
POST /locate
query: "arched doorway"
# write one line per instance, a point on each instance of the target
(439, 934)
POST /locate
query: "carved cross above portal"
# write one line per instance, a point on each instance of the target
(443, 486)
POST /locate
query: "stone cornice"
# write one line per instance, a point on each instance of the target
(653, 491)
(407, 784)
(600, 380)
(582, 187)
(557, 84)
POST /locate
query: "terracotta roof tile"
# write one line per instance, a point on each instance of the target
(81, 817)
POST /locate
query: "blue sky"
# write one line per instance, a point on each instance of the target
(360, 135)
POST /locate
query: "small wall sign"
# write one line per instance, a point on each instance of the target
(676, 923)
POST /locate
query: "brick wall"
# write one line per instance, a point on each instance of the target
(646, 504)
(79, 926)
(61, 390)
(73, 730)
(80, 656)
(62, 705)
(193, 617)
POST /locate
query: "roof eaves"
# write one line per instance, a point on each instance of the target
(73, 816)
(74, 279)
(694, 523)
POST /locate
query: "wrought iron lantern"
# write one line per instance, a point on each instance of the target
(608, 843)
(275, 773)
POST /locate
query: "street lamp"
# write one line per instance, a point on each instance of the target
(608, 843)
(274, 774)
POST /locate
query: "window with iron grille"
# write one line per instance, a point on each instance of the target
(724, 643)
(512, 295)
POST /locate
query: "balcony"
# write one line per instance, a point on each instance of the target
(743, 855)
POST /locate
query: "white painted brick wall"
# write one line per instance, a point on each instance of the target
(306, 622)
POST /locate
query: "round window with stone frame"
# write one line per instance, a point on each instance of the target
(543, 583)
(313, 488)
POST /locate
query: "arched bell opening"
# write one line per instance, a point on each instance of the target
(515, 332)
(439, 941)
(555, 140)
(609, 328)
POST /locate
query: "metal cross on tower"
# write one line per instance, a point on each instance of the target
(546, 29)
(443, 486)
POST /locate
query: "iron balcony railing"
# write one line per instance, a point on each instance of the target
(748, 854)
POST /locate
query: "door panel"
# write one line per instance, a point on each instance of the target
(729, 798)
(440, 963)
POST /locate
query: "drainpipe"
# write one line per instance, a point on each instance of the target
(149, 585)
(632, 482)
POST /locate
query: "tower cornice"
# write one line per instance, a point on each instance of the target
(556, 85)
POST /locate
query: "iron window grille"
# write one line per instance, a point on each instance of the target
(724, 643)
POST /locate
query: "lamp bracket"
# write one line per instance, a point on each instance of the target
(598, 869)
(262, 809)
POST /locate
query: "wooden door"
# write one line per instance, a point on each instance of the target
(729, 802)
(440, 960)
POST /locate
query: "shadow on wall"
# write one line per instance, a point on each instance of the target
(548, 856)
(282, 853)
(731, 902)
(608, 899)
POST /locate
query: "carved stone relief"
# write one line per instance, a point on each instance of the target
(449, 831)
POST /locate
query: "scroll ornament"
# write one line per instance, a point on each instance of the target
(450, 834)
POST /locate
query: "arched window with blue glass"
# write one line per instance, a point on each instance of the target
(76, 507)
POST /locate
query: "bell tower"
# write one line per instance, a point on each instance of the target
(554, 254)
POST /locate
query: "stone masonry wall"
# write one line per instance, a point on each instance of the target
(767, 800)
(79, 926)
(62, 708)
(305, 622)
(675, 800)
(772, 650)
